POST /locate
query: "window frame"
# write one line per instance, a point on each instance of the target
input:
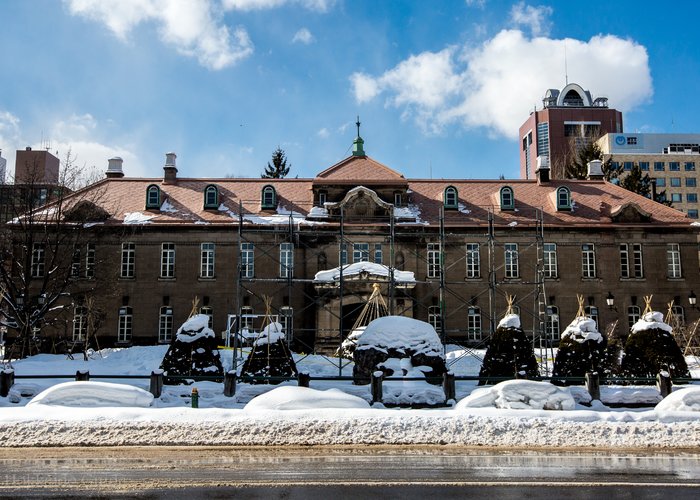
(38, 260)
(79, 329)
(268, 197)
(634, 314)
(207, 260)
(128, 260)
(167, 260)
(507, 198)
(434, 260)
(474, 323)
(435, 318)
(153, 197)
(552, 326)
(165, 324)
(90, 261)
(674, 268)
(588, 261)
(550, 260)
(211, 197)
(450, 197)
(563, 198)
(247, 259)
(286, 260)
(473, 260)
(125, 324)
(511, 266)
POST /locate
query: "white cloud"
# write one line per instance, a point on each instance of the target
(193, 28)
(476, 3)
(303, 36)
(497, 84)
(248, 5)
(534, 18)
(9, 128)
(323, 133)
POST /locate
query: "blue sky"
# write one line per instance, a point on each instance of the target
(440, 87)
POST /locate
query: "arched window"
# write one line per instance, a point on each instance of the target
(211, 196)
(563, 198)
(152, 196)
(450, 197)
(269, 197)
(507, 199)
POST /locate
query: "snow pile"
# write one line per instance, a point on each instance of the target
(509, 321)
(356, 268)
(463, 209)
(168, 207)
(347, 348)
(408, 212)
(195, 328)
(272, 333)
(93, 394)
(650, 321)
(318, 212)
(304, 398)
(227, 211)
(582, 329)
(137, 218)
(686, 399)
(518, 395)
(401, 333)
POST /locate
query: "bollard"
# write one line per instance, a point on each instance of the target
(376, 381)
(448, 386)
(303, 379)
(195, 398)
(82, 375)
(593, 385)
(156, 387)
(663, 383)
(230, 384)
(7, 380)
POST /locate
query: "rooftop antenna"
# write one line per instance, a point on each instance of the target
(358, 125)
(566, 65)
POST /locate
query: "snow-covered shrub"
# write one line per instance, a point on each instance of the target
(581, 349)
(193, 351)
(304, 398)
(509, 352)
(520, 395)
(93, 394)
(270, 356)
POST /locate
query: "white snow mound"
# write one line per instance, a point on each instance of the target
(401, 333)
(270, 334)
(510, 321)
(303, 398)
(520, 395)
(582, 329)
(93, 394)
(651, 321)
(686, 399)
(195, 328)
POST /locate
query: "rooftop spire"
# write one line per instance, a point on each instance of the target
(357, 144)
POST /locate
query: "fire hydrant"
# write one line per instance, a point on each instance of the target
(195, 398)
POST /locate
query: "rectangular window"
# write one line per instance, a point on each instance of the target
(125, 324)
(474, 323)
(286, 260)
(79, 323)
(128, 260)
(691, 182)
(206, 260)
(550, 260)
(90, 260)
(661, 182)
(693, 213)
(247, 260)
(247, 318)
(543, 139)
(167, 260)
(659, 166)
(690, 166)
(473, 261)
(588, 260)
(673, 260)
(674, 166)
(637, 261)
(75, 264)
(434, 260)
(691, 198)
(378, 255)
(592, 312)
(38, 260)
(511, 260)
(287, 322)
(551, 326)
(322, 199)
(435, 319)
(644, 166)
(208, 311)
(676, 197)
(165, 325)
(627, 165)
(360, 252)
(675, 182)
(633, 315)
(624, 261)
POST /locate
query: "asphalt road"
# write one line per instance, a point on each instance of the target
(339, 473)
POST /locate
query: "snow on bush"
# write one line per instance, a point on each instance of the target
(509, 321)
(582, 329)
(304, 398)
(520, 395)
(401, 333)
(93, 394)
(686, 399)
(194, 328)
(272, 333)
(650, 321)
(581, 350)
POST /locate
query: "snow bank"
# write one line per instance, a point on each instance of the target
(356, 268)
(304, 398)
(650, 321)
(401, 333)
(92, 394)
(509, 321)
(520, 394)
(685, 399)
(270, 334)
(195, 328)
(582, 329)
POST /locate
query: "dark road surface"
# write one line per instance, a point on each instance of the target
(338, 473)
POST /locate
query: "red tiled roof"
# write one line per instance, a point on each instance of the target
(363, 168)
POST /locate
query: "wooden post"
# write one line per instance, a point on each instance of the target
(7, 380)
(448, 386)
(376, 381)
(230, 383)
(303, 379)
(156, 387)
(82, 375)
(593, 385)
(663, 383)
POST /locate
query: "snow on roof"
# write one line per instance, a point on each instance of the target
(581, 329)
(409, 212)
(401, 333)
(93, 394)
(651, 321)
(520, 395)
(509, 321)
(681, 399)
(195, 328)
(331, 275)
(137, 218)
(304, 398)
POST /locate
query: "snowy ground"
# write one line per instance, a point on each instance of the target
(223, 421)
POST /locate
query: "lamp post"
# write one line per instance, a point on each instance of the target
(610, 301)
(693, 299)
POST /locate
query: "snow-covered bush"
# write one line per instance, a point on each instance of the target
(520, 395)
(304, 398)
(93, 394)
(581, 349)
(193, 351)
(509, 352)
(270, 356)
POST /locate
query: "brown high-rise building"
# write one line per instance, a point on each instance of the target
(569, 118)
(36, 167)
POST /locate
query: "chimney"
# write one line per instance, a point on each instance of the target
(170, 170)
(595, 170)
(114, 168)
(542, 171)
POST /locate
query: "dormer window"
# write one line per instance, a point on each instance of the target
(563, 198)
(152, 196)
(269, 197)
(211, 196)
(322, 198)
(507, 198)
(397, 198)
(450, 197)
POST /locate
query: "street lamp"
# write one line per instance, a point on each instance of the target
(693, 299)
(610, 301)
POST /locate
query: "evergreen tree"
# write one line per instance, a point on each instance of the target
(577, 167)
(636, 181)
(279, 168)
